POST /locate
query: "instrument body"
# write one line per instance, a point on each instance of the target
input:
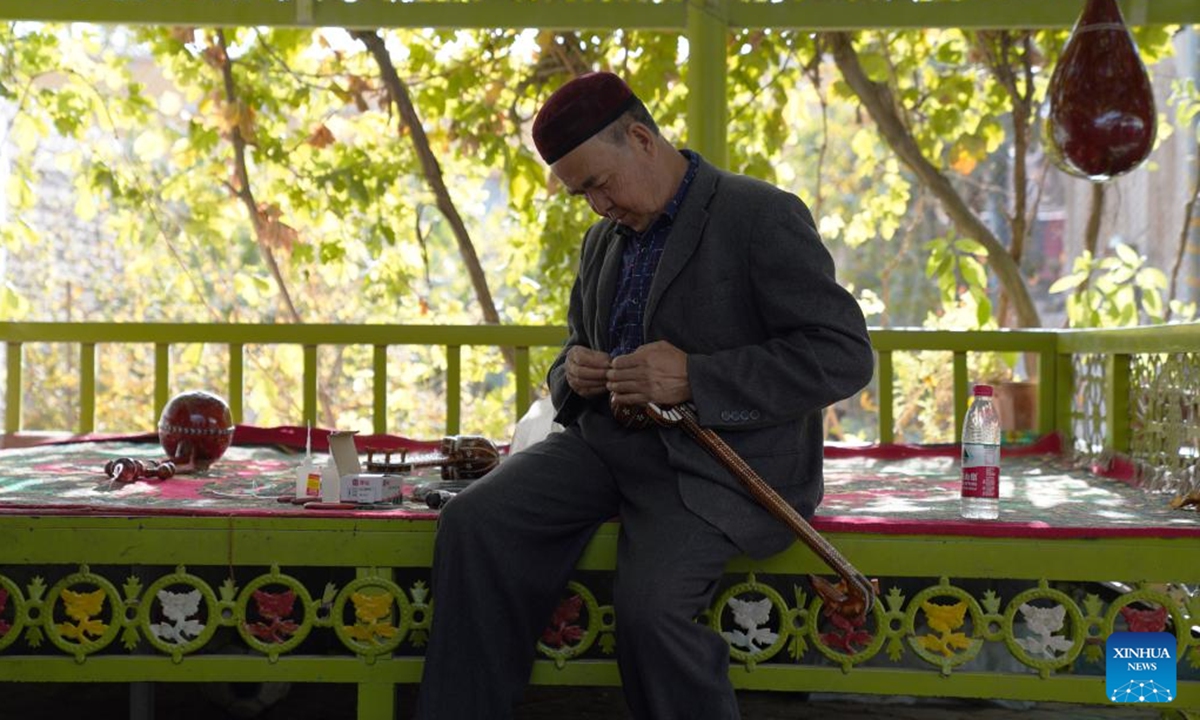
(460, 457)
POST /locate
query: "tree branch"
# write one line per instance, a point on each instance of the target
(880, 103)
(244, 193)
(1189, 212)
(399, 94)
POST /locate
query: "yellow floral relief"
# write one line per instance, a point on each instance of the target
(945, 619)
(371, 610)
(81, 607)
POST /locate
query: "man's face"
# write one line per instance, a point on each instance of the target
(615, 178)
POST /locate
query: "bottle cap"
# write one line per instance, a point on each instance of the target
(985, 390)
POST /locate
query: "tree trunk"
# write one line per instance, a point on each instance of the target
(398, 91)
(1091, 234)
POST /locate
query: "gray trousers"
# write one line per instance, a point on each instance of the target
(506, 548)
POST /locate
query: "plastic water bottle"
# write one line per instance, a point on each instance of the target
(981, 458)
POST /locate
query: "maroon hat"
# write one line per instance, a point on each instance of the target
(578, 110)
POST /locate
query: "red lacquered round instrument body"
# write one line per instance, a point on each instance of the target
(195, 427)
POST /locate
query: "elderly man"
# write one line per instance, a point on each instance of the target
(699, 286)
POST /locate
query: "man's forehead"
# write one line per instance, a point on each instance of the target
(583, 168)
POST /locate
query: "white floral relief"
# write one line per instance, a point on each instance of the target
(177, 608)
(750, 617)
(1044, 622)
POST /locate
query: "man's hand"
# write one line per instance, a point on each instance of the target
(656, 373)
(587, 371)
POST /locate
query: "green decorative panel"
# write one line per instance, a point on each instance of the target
(82, 613)
(939, 625)
(370, 625)
(1165, 399)
(575, 625)
(1089, 421)
(179, 613)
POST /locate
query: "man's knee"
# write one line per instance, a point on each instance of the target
(647, 609)
(464, 516)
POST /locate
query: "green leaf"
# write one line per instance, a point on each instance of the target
(1152, 277)
(1152, 303)
(937, 245)
(970, 245)
(12, 305)
(1128, 315)
(973, 272)
(983, 311)
(940, 265)
(1067, 282)
(1128, 255)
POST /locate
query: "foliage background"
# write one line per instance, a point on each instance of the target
(129, 200)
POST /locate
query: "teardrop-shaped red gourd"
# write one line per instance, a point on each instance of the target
(1101, 120)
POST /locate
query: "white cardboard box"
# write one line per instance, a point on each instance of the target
(356, 486)
(371, 487)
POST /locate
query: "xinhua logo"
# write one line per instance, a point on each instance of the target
(1140, 667)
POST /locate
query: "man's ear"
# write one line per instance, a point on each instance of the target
(642, 138)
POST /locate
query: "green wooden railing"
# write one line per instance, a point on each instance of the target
(162, 336)
(1054, 350)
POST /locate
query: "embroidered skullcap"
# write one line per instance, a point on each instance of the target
(578, 110)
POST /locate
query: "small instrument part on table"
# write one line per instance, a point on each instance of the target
(437, 499)
(126, 470)
(461, 457)
(318, 505)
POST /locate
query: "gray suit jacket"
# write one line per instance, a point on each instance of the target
(747, 289)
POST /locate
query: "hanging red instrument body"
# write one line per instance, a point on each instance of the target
(1102, 119)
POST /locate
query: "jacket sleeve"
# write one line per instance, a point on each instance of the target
(816, 349)
(567, 404)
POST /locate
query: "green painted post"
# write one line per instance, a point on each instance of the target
(236, 381)
(524, 387)
(12, 389)
(708, 115)
(887, 398)
(453, 388)
(1047, 390)
(1117, 401)
(310, 384)
(1064, 399)
(87, 387)
(379, 386)
(162, 378)
(961, 396)
(376, 701)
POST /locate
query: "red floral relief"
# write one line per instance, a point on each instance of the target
(563, 628)
(275, 607)
(847, 634)
(1145, 620)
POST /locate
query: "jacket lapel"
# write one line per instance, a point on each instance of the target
(606, 288)
(683, 239)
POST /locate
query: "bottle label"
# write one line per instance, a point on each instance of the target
(980, 471)
(313, 486)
